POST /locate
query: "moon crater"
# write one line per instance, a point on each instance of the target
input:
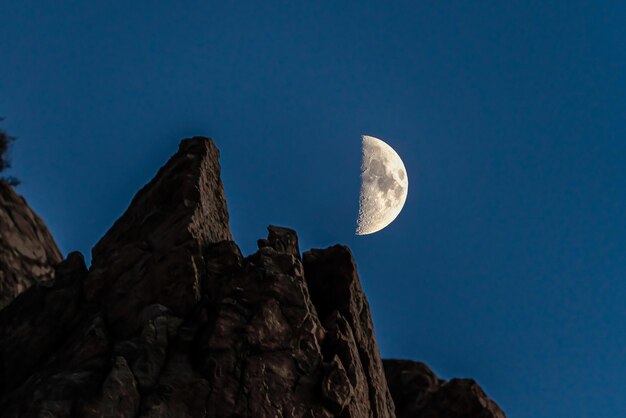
(384, 186)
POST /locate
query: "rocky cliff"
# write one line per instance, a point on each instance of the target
(171, 320)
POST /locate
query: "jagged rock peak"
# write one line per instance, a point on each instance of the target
(27, 250)
(341, 305)
(265, 347)
(281, 239)
(185, 199)
(152, 253)
(418, 392)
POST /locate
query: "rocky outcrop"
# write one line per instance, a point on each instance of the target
(152, 254)
(341, 305)
(171, 320)
(270, 352)
(418, 392)
(27, 250)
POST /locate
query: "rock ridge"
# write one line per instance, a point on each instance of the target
(171, 320)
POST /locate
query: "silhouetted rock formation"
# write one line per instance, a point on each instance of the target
(172, 321)
(153, 253)
(27, 250)
(418, 392)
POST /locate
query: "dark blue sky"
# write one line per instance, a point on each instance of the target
(508, 262)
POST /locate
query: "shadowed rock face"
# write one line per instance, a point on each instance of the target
(27, 250)
(342, 307)
(152, 254)
(172, 321)
(418, 392)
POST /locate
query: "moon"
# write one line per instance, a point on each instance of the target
(384, 186)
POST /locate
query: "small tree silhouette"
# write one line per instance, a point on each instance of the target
(5, 161)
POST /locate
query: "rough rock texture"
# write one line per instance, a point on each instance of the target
(343, 309)
(152, 254)
(172, 321)
(27, 250)
(418, 392)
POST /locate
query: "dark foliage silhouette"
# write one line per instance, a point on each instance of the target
(5, 162)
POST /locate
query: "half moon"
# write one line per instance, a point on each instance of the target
(384, 186)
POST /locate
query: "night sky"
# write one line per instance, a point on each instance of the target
(508, 262)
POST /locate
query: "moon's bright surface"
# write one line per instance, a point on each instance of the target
(384, 186)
